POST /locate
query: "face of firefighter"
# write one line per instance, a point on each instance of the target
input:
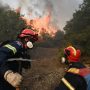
(29, 44)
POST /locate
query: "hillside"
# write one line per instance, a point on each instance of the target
(45, 72)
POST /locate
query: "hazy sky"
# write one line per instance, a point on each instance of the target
(61, 10)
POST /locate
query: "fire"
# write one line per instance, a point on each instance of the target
(41, 25)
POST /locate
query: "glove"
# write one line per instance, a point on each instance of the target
(13, 78)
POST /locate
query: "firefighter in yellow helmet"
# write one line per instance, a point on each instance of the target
(75, 75)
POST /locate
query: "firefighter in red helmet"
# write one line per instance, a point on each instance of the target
(71, 54)
(28, 37)
(73, 78)
(10, 79)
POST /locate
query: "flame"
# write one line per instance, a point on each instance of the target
(42, 25)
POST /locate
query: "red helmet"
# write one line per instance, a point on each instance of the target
(29, 33)
(72, 54)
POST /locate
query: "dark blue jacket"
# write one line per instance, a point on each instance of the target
(9, 50)
(73, 81)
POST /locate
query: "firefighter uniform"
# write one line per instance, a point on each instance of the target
(9, 50)
(72, 81)
(74, 76)
(9, 77)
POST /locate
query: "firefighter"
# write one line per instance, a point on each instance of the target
(9, 79)
(73, 78)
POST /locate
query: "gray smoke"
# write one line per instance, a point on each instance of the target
(60, 10)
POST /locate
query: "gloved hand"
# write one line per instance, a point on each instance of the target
(13, 78)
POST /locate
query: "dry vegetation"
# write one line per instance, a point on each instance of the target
(46, 70)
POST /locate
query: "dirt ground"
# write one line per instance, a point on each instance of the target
(46, 70)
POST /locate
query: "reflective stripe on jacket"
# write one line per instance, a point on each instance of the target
(11, 48)
(84, 72)
(67, 84)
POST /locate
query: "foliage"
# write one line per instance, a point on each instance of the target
(48, 41)
(78, 28)
(10, 23)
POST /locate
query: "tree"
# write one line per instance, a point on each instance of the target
(10, 23)
(59, 38)
(77, 29)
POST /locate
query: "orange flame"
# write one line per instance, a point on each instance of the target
(42, 25)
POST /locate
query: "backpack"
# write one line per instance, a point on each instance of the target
(83, 72)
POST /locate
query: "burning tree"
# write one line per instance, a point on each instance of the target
(41, 25)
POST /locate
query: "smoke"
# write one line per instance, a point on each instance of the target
(32, 9)
(60, 10)
(63, 10)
